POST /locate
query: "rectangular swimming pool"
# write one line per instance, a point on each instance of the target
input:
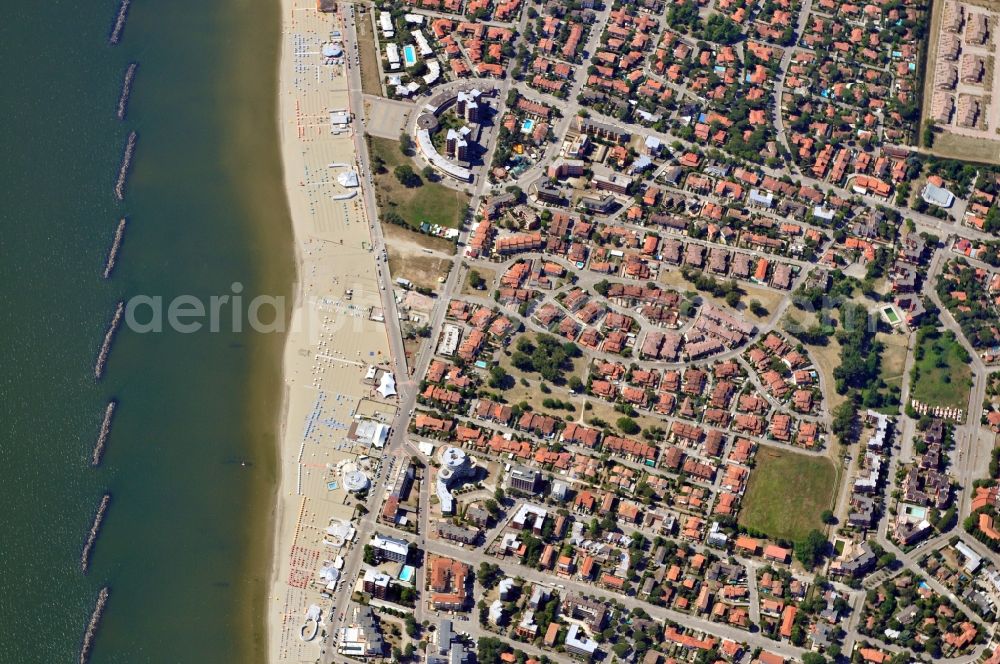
(410, 55)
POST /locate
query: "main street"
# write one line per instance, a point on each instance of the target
(406, 383)
(407, 394)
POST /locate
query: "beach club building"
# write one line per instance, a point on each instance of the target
(390, 548)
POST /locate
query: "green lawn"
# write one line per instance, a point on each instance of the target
(943, 376)
(787, 493)
(431, 202)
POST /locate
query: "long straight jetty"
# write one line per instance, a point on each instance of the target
(109, 264)
(126, 89)
(126, 164)
(103, 434)
(95, 529)
(109, 338)
(119, 24)
(95, 621)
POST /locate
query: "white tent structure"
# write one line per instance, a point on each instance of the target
(387, 386)
(329, 574)
(348, 179)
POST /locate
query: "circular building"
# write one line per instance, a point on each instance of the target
(355, 481)
(455, 465)
(427, 121)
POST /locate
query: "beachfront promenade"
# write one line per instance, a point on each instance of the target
(337, 327)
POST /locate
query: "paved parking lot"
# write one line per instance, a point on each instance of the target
(385, 118)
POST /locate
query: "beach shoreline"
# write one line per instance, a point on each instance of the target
(336, 331)
(280, 504)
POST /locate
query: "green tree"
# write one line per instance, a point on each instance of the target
(859, 353)
(628, 426)
(412, 628)
(406, 144)
(489, 649)
(500, 379)
(522, 361)
(721, 29)
(476, 280)
(406, 176)
(843, 424)
(488, 575)
(928, 135)
(809, 551)
(621, 649)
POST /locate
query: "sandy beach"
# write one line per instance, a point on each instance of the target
(337, 334)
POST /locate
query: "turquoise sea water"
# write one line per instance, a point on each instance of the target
(186, 541)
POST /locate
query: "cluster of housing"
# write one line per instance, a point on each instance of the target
(971, 293)
(414, 62)
(924, 487)
(906, 609)
(586, 250)
(867, 492)
(967, 573)
(855, 77)
(715, 416)
(783, 377)
(963, 50)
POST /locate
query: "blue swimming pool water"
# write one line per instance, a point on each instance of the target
(406, 574)
(410, 55)
(528, 125)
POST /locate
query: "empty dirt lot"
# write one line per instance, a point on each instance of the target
(422, 259)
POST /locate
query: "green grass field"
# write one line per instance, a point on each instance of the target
(431, 202)
(787, 493)
(943, 378)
